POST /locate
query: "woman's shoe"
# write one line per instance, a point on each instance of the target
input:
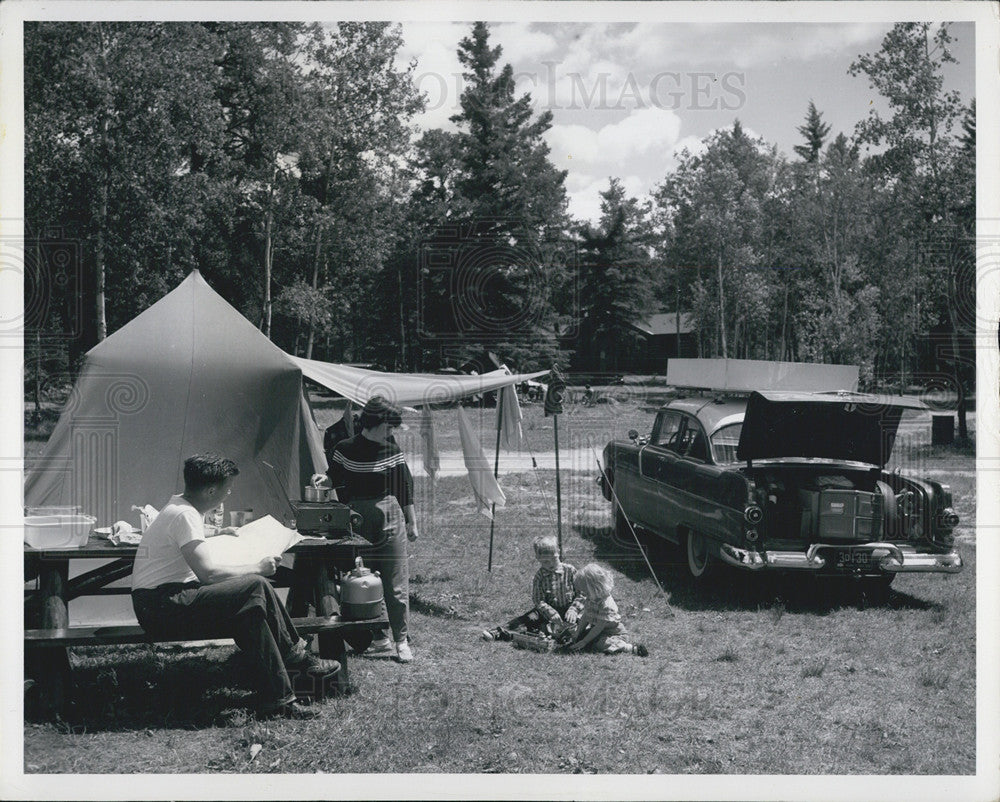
(380, 648)
(403, 653)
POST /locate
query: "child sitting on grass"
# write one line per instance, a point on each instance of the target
(556, 604)
(600, 628)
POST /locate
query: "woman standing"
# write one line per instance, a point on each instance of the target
(370, 474)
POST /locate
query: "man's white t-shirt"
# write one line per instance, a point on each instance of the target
(159, 559)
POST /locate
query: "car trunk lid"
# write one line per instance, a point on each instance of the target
(848, 427)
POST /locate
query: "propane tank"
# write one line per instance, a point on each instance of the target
(360, 594)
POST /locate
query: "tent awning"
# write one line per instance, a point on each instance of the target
(405, 389)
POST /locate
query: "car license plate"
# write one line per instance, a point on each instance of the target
(854, 559)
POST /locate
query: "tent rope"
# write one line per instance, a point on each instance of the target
(642, 551)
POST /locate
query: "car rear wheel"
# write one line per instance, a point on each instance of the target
(699, 556)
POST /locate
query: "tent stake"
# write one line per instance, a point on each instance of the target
(496, 473)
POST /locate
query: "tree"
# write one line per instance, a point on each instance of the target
(814, 132)
(262, 96)
(355, 141)
(511, 202)
(908, 71)
(616, 280)
(113, 112)
(713, 204)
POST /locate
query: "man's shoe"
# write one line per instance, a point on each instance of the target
(319, 667)
(403, 653)
(641, 650)
(294, 710)
(380, 648)
(491, 634)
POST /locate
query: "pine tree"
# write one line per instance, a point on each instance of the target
(616, 277)
(815, 132)
(507, 203)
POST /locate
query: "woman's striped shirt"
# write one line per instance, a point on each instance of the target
(362, 468)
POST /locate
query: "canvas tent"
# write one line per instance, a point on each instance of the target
(191, 374)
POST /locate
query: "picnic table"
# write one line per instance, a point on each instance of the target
(48, 632)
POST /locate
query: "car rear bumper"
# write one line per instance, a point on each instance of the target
(886, 557)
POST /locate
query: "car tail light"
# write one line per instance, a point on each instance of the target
(949, 518)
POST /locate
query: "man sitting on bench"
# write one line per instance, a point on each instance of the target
(177, 588)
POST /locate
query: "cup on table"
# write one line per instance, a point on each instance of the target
(238, 518)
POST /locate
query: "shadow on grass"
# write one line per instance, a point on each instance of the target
(139, 688)
(731, 589)
(424, 606)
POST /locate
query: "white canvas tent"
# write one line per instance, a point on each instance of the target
(191, 374)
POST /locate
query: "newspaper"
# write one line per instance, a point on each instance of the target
(265, 537)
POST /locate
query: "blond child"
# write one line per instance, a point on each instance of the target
(553, 596)
(600, 628)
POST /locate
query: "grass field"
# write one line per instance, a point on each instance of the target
(752, 675)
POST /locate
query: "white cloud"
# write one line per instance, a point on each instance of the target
(638, 149)
(520, 43)
(585, 203)
(694, 144)
(740, 44)
(573, 146)
(643, 132)
(438, 76)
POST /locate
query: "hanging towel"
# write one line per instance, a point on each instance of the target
(432, 461)
(510, 418)
(484, 485)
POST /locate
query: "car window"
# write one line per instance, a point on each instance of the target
(724, 443)
(667, 429)
(692, 441)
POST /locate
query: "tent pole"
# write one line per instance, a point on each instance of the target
(496, 473)
(555, 432)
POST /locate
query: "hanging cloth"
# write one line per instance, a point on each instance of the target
(509, 410)
(432, 460)
(484, 485)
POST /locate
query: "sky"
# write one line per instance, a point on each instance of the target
(627, 97)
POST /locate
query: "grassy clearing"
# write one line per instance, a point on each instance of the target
(754, 675)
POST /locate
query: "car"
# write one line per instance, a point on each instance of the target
(531, 390)
(782, 481)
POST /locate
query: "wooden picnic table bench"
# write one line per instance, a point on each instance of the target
(48, 633)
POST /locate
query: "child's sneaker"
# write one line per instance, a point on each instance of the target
(641, 650)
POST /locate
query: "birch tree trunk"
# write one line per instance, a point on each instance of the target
(722, 309)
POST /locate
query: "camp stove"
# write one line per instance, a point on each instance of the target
(329, 519)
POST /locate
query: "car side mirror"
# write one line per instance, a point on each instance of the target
(633, 435)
